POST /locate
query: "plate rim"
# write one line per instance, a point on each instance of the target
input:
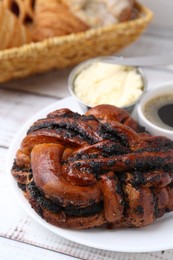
(65, 233)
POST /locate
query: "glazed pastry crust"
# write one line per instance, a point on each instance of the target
(36, 20)
(55, 19)
(12, 32)
(94, 170)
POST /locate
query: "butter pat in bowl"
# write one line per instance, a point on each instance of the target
(94, 82)
(155, 111)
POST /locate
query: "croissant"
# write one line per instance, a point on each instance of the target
(12, 32)
(101, 12)
(100, 169)
(55, 19)
(22, 9)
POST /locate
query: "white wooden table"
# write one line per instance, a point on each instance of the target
(20, 236)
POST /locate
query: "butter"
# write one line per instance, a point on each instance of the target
(102, 83)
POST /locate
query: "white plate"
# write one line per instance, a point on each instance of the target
(155, 237)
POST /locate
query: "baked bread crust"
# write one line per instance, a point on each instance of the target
(101, 12)
(22, 9)
(37, 20)
(12, 32)
(55, 19)
(93, 170)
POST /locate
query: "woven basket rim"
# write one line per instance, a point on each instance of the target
(145, 16)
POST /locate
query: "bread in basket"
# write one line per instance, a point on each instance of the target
(64, 51)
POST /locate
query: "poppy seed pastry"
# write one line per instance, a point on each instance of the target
(100, 169)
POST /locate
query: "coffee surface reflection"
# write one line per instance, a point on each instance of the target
(159, 111)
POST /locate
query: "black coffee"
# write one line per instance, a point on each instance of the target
(166, 114)
(159, 111)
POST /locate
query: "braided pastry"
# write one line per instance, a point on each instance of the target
(92, 170)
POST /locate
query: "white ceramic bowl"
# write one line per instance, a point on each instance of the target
(152, 126)
(78, 69)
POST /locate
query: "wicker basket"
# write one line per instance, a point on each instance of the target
(65, 51)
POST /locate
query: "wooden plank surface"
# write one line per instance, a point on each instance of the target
(22, 251)
(15, 108)
(20, 236)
